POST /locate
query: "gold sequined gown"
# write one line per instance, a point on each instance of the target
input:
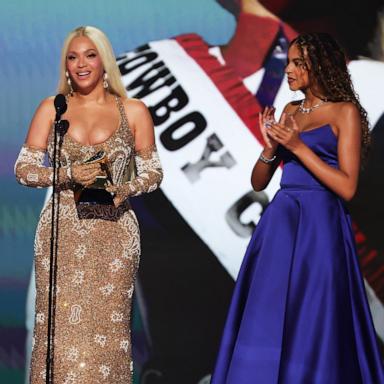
(98, 256)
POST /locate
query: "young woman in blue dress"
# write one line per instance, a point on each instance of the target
(299, 312)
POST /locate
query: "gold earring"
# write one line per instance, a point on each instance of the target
(69, 83)
(105, 81)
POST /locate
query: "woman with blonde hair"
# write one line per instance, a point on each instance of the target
(98, 243)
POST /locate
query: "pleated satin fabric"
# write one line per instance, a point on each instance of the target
(299, 312)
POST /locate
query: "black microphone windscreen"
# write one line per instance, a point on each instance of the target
(63, 127)
(60, 104)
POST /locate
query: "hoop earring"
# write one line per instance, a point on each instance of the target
(69, 83)
(105, 81)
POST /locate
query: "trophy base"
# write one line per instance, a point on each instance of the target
(92, 196)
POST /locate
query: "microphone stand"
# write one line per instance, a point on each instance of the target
(60, 127)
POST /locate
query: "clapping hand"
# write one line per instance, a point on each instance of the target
(285, 134)
(266, 119)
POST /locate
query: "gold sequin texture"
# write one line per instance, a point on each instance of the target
(98, 257)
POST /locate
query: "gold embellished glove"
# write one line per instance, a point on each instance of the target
(149, 176)
(85, 174)
(30, 171)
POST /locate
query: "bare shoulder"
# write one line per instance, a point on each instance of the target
(291, 107)
(345, 111)
(41, 123)
(349, 109)
(343, 108)
(134, 106)
(45, 112)
(47, 106)
(346, 117)
(137, 114)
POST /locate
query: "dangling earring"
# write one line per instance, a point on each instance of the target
(105, 81)
(69, 83)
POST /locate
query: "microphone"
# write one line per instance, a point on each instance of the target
(62, 127)
(60, 105)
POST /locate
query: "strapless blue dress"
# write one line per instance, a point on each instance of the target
(299, 312)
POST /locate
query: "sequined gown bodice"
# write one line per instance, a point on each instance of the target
(98, 256)
(118, 148)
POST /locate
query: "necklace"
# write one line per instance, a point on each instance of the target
(302, 109)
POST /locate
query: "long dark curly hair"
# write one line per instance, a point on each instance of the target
(328, 67)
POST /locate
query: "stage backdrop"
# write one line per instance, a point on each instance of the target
(195, 229)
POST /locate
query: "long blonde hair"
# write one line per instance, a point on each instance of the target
(104, 48)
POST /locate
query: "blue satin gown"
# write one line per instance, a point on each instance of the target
(299, 313)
